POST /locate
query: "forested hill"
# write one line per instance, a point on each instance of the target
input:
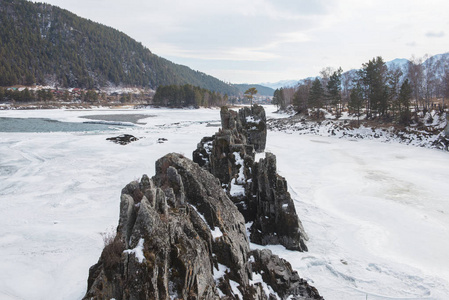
(45, 44)
(261, 90)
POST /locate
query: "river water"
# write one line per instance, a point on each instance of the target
(48, 125)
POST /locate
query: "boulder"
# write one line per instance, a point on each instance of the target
(123, 139)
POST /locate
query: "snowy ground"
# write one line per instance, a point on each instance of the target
(376, 213)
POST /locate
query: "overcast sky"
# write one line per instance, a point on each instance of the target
(253, 41)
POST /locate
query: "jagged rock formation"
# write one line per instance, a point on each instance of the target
(180, 237)
(257, 190)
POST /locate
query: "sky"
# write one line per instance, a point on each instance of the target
(255, 41)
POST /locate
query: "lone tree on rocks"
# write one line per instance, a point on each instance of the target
(249, 93)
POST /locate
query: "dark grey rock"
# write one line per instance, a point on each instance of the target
(279, 275)
(123, 139)
(276, 221)
(175, 232)
(259, 193)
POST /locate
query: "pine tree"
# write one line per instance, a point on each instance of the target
(334, 90)
(278, 98)
(356, 101)
(373, 76)
(405, 94)
(249, 93)
(316, 97)
(301, 97)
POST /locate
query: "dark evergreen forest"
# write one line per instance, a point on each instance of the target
(44, 44)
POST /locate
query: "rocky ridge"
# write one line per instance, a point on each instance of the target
(180, 236)
(257, 190)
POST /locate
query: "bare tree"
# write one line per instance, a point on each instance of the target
(445, 84)
(325, 74)
(415, 76)
(348, 83)
(429, 79)
(288, 95)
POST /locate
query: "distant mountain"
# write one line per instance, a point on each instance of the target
(45, 44)
(435, 63)
(279, 84)
(398, 62)
(261, 90)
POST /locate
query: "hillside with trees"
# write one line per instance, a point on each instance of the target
(389, 92)
(46, 45)
(187, 96)
(261, 90)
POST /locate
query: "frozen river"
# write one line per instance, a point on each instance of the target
(377, 214)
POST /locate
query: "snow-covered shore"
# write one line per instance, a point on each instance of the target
(431, 137)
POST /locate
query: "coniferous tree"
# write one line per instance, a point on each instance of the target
(394, 77)
(278, 98)
(405, 94)
(249, 93)
(356, 101)
(316, 97)
(373, 76)
(334, 90)
(301, 96)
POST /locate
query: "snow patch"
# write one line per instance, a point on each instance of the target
(137, 251)
(216, 233)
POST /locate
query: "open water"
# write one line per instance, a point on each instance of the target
(48, 125)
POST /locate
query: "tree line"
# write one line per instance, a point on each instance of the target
(187, 95)
(375, 90)
(47, 95)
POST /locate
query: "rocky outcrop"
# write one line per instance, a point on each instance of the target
(256, 189)
(180, 237)
(279, 275)
(275, 219)
(123, 139)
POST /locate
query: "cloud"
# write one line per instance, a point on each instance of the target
(434, 34)
(274, 39)
(228, 54)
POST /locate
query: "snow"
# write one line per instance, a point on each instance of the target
(216, 233)
(239, 162)
(257, 278)
(376, 213)
(234, 286)
(220, 272)
(137, 251)
(237, 188)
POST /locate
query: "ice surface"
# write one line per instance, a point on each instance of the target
(376, 213)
